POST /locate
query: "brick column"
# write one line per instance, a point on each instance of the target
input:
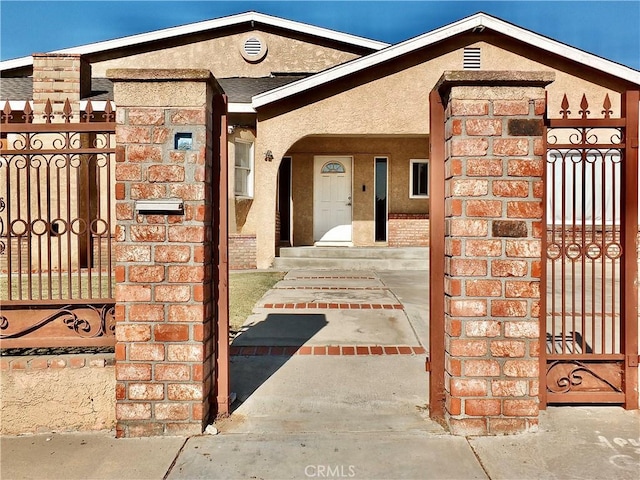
(493, 212)
(59, 77)
(164, 269)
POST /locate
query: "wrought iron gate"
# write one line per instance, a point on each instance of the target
(590, 351)
(56, 202)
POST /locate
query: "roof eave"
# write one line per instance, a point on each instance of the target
(204, 26)
(443, 33)
(239, 107)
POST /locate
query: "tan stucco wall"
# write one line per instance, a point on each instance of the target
(399, 152)
(393, 99)
(222, 56)
(57, 399)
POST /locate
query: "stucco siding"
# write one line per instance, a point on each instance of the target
(222, 55)
(392, 99)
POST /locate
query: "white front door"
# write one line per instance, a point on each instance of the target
(332, 200)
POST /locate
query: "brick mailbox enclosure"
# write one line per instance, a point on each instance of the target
(165, 306)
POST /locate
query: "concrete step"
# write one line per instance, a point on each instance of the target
(356, 252)
(353, 258)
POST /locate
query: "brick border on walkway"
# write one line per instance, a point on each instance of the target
(291, 287)
(332, 277)
(319, 350)
(338, 306)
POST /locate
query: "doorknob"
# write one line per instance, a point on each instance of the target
(349, 201)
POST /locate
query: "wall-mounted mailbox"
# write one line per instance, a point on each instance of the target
(172, 206)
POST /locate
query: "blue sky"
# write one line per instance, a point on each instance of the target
(606, 28)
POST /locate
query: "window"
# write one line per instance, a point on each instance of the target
(419, 179)
(333, 167)
(244, 168)
(380, 212)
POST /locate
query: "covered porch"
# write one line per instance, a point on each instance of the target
(354, 190)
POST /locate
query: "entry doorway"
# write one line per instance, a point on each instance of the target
(332, 202)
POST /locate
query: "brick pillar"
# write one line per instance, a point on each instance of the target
(493, 212)
(164, 264)
(59, 77)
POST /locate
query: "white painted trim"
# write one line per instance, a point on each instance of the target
(97, 105)
(204, 26)
(320, 243)
(438, 35)
(235, 107)
(17, 105)
(16, 63)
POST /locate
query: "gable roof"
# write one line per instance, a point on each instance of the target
(203, 26)
(477, 21)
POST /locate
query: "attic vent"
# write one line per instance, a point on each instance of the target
(471, 60)
(253, 48)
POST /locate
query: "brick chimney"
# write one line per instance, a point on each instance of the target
(58, 77)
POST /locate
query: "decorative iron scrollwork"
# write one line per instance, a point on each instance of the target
(574, 378)
(3, 246)
(86, 321)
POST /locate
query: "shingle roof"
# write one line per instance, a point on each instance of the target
(21, 88)
(241, 89)
(238, 89)
(16, 88)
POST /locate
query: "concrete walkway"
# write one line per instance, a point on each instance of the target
(358, 365)
(329, 374)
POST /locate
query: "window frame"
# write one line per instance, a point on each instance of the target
(249, 187)
(412, 162)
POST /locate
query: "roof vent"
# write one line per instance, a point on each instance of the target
(471, 60)
(253, 48)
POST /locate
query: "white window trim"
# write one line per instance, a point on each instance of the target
(249, 192)
(411, 163)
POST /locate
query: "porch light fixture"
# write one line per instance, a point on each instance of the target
(268, 156)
